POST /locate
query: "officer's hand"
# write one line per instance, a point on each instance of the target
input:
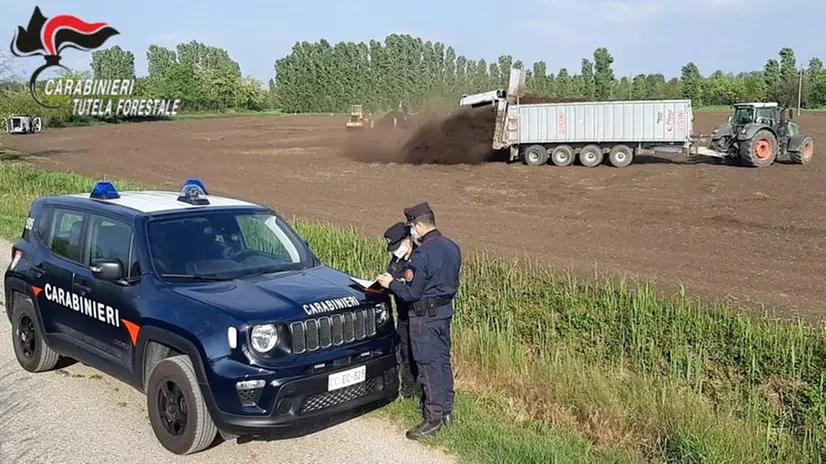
(384, 280)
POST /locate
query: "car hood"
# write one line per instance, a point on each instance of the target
(282, 297)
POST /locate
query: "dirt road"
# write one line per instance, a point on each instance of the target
(75, 414)
(749, 234)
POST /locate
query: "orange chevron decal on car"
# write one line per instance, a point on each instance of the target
(133, 330)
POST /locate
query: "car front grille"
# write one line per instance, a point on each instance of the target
(334, 398)
(334, 330)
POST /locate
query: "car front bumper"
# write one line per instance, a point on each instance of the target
(282, 403)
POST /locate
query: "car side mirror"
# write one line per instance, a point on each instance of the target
(107, 269)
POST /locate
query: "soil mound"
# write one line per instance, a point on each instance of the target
(463, 137)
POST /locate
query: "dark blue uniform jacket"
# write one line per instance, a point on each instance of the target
(432, 273)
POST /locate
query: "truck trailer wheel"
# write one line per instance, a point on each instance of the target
(591, 156)
(620, 156)
(562, 155)
(761, 150)
(535, 155)
(804, 156)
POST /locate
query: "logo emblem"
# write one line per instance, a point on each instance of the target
(47, 37)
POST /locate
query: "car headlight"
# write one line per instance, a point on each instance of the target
(263, 338)
(382, 313)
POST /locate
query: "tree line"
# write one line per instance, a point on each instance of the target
(322, 77)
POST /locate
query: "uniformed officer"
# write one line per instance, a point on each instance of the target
(430, 282)
(400, 246)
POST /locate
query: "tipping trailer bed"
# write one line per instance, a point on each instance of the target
(590, 131)
(632, 122)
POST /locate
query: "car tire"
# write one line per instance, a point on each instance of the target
(173, 389)
(30, 347)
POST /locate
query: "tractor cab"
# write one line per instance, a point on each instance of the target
(770, 114)
(763, 114)
(747, 113)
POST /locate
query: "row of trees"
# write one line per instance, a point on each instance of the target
(204, 77)
(321, 77)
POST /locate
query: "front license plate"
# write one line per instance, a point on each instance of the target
(346, 378)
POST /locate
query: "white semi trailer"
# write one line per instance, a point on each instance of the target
(588, 131)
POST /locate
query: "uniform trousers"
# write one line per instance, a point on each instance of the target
(430, 340)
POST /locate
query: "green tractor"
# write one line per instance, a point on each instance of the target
(756, 133)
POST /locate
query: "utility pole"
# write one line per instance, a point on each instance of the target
(799, 90)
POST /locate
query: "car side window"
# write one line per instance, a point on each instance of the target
(110, 239)
(66, 238)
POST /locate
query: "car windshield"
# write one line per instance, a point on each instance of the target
(743, 115)
(225, 245)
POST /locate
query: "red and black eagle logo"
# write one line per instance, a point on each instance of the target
(47, 37)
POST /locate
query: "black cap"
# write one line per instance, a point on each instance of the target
(395, 234)
(416, 211)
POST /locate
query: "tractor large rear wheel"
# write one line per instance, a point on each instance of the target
(761, 150)
(804, 155)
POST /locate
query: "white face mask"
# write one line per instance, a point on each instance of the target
(400, 251)
(415, 234)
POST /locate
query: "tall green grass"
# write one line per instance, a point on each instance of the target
(554, 369)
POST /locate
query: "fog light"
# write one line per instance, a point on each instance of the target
(284, 406)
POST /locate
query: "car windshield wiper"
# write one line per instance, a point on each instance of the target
(262, 271)
(210, 278)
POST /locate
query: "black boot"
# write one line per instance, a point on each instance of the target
(424, 429)
(447, 419)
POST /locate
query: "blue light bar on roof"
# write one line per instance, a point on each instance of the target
(198, 183)
(193, 193)
(104, 190)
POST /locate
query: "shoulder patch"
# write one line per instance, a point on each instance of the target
(409, 274)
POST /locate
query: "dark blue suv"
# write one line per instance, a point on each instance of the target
(214, 307)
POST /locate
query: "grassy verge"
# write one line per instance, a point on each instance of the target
(551, 369)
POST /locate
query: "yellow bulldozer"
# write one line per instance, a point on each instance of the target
(398, 120)
(359, 119)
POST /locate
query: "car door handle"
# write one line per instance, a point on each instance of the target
(82, 289)
(38, 270)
